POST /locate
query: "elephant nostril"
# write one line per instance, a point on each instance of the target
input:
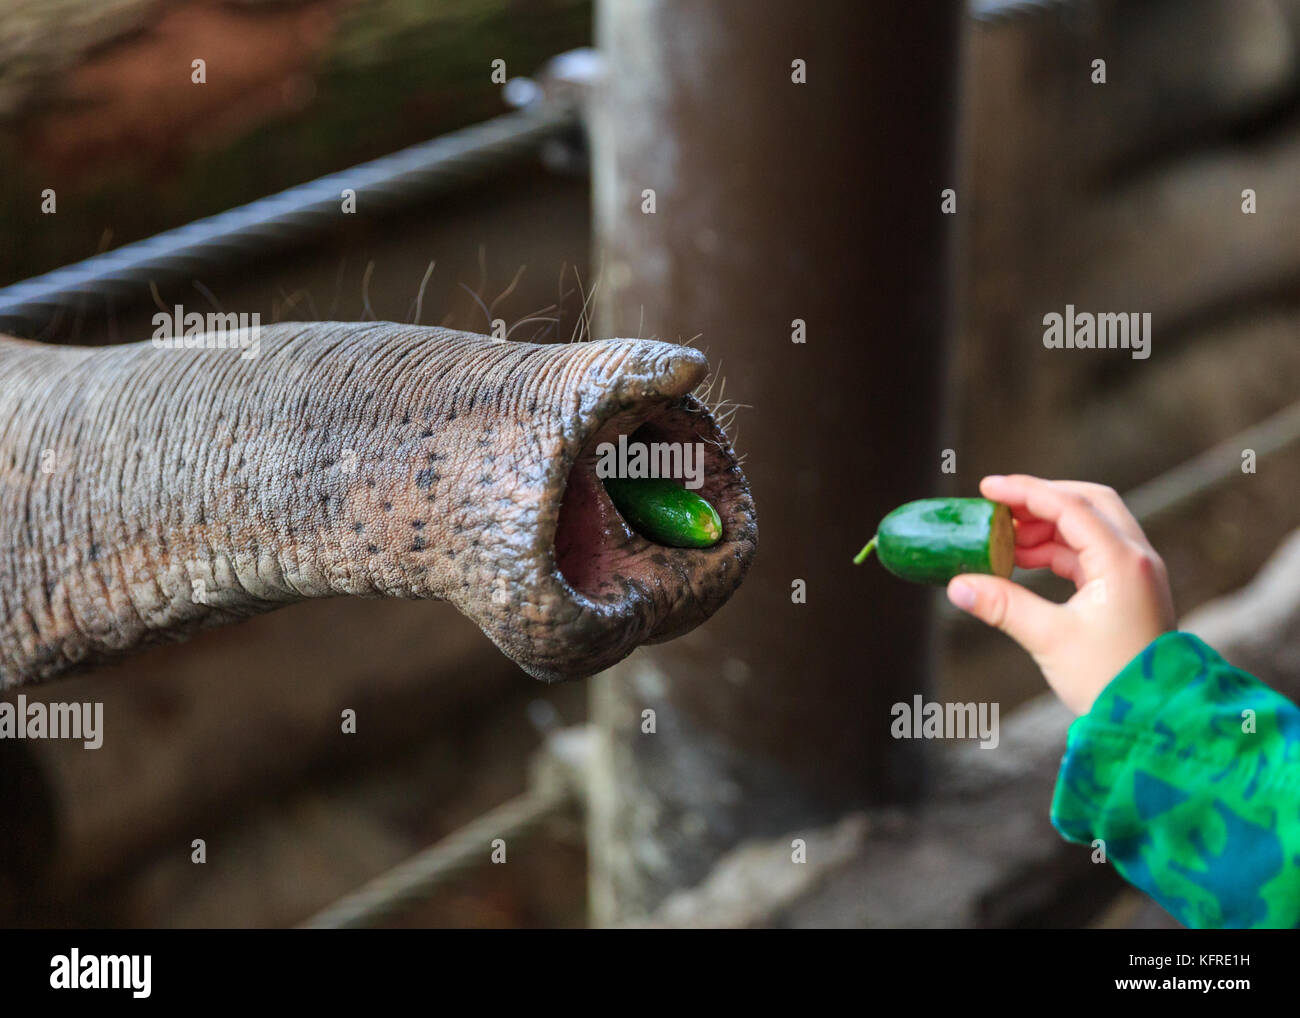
(604, 558)
(589, 527)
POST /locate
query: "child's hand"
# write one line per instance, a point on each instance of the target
(1085, 533)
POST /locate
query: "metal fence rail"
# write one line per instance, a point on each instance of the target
(284, 220)
(417, 878)
(556, 781)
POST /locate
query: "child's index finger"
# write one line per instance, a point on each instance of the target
(1108, 503)
(995, 489)
(1077, 522)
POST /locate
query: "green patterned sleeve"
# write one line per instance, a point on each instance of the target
(1188, 772)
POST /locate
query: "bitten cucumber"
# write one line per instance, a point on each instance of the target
(665, 512)
(935, 539)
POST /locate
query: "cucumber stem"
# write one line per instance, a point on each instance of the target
(862, 555)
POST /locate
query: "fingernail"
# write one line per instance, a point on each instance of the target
(994, 477)
(962, 595)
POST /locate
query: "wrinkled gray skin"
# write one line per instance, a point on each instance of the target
(147, 493)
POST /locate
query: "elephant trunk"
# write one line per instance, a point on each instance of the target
(148, 492)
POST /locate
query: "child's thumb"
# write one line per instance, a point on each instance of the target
(1021, 614)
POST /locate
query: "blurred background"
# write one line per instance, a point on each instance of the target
(779, 200)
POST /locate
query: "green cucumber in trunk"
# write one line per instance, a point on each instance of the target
(665, 512)
(935, 539)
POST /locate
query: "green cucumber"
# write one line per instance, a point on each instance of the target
(665, 512)
(935, 539)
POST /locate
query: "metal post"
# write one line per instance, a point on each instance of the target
(776, 201)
